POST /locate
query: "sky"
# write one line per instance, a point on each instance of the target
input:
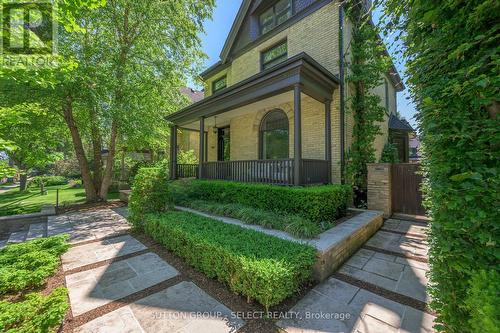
(217, 29)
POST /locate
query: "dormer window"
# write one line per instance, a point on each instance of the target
(219, 84)
(275, 15)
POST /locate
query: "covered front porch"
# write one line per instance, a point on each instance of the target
(275, 128)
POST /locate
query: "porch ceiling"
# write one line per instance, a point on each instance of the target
(314, 79)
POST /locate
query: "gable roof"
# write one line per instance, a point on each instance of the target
(399, 124)
(235, 28)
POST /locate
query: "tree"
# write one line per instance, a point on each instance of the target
(451, 48)
(36, 135)
(133, 58)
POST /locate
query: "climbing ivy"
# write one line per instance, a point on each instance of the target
(452, 52)
(366, 65)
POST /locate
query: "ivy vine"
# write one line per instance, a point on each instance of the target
(366, 63)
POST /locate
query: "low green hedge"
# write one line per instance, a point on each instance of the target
(47, 181)
(150, 194)
(316, 203)
(293, 224)
(261, 267)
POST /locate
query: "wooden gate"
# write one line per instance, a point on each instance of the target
(406, 189)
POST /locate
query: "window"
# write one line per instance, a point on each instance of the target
(219, 84)
(274, 136)
(274, 16)
(274, 55)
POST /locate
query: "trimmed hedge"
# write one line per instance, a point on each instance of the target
(293, 224)
(47, 181)
(261, 267)
(316, 203)
(150, 194)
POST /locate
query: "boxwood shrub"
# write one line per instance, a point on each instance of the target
(150, 194)
(258, 266)
(316, 203)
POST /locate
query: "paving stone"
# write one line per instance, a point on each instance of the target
(318, 313)
(3, 243)
(175, 310)
(385, 268)
(413, 263)
(357, 261)
(369, 277)
(383, 256)
(17, 237)
(82, 255)
(89, 225)
(118, 321)
(368, 303)
(36, 230)
(369, 324)
(336, 290)
(99, 286)
(413, 283)
(416, 321)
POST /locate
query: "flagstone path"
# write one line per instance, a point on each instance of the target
(117, 284)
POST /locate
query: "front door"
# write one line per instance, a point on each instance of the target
(223, 144)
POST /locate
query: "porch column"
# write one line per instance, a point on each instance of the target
(173, 152)
(297, 133)
(328, 138)
(202, 147)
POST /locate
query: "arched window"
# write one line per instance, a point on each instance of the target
(274, 136)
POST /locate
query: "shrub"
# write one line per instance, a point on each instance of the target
(258, 266)
(318, 203)
(293, 224)
(35, 314)
(28, 264)
(483, 301)
(390, 154)
(47, 181)
(134, 170)
(150, 194)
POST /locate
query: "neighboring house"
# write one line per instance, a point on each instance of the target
(273, 111)
(399, 135)
(414, 148)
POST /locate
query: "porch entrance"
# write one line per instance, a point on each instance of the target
(406, 189)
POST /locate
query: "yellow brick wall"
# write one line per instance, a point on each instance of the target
(189, 140)
(304, 36)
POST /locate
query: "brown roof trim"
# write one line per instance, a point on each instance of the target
(302, 69)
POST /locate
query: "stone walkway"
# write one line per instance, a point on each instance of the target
(106, 265)
(379, 289)
(116, 284)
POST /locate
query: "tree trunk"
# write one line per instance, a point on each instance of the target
(88, 184)
(108, 172)
(23, 181)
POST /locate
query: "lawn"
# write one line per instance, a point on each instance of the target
(15, 202)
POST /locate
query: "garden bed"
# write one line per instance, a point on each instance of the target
(32, 293)
(258, 266)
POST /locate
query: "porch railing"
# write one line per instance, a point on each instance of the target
(279, 172)
(187, 170)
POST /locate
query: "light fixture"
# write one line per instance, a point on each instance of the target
(215, 129)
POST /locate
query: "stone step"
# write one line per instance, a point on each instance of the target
(3, 243)
(18, 237)
(37, 230)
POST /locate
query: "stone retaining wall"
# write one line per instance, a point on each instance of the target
(14, 223)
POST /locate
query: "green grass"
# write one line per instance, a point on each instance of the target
(30, 201)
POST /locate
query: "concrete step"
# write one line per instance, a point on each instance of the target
(18, 237)
(37, 230)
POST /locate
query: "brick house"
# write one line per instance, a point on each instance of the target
(273, 110)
